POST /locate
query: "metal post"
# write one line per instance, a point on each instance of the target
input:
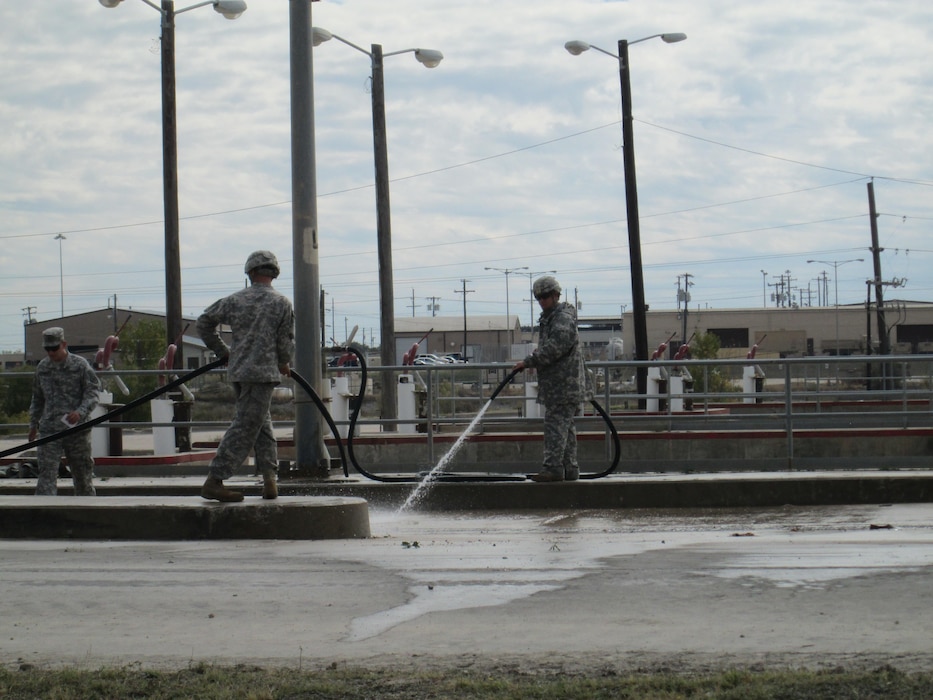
(388, 408)
(639, 310)
(883, 337)
(464, 292)
(173, 314)
(309, 451)
(836, 302)
(61, 274)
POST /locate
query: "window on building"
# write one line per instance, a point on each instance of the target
(731, 337)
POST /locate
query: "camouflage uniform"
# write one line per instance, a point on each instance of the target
(263, 325)
(561, 386)
(58, 389)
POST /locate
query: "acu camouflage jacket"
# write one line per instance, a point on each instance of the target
(263, 324)
(558, 357)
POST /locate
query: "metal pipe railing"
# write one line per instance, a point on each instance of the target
(797, 394)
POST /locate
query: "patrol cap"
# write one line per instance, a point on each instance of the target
(262, 260)
(545, 286)
(53, 337)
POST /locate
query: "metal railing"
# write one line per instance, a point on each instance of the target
(790, 397)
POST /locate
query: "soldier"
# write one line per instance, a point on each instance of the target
(263, 325)
(561, 382)
(64, 392)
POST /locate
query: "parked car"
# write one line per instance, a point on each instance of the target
(456, 358)
(335, 362)
(429, 359)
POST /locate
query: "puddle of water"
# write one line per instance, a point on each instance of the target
(439, 599)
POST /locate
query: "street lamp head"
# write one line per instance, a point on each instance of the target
(318, 35)
(575, 47)
(673, 37)
(429, 58)
(231, 9)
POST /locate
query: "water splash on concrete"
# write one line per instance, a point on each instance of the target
(426, 482)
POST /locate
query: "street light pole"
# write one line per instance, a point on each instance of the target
(231, 9)
(311, 456)
(639, 313)
(836, 264)
(173, 306)
(430, 59)
(61, 273)
(508, 317)
(764, 289)
(389, 407)
(639, 310)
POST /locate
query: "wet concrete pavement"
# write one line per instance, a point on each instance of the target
(811, 586)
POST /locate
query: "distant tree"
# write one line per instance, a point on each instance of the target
(15, 396)
(141, 346)
(705, 346)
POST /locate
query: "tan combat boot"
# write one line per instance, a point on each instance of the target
(214, 490)
(269, 488)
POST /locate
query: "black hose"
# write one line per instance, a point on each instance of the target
(87, 425)
(459, 477)
(616, 442)
(344, 451)
(354, 416)
(324, 412)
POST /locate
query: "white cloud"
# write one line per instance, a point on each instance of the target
(507, 154)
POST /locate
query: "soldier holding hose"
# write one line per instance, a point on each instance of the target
(561, 381)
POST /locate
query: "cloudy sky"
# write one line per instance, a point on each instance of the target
(755, 140)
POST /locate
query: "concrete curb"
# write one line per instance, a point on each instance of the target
(182, 518)
(713, 490)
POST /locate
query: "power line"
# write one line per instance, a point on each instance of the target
(503, 155)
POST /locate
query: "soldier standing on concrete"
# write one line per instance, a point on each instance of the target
(64, 392)
(561, 382)
(263, 325)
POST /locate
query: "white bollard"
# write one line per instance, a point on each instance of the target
(676, 386)
(653, 403)
(532, 407)
(100, 436)
(749, 377)
(163, 439)
(340, 403)
(407, 406)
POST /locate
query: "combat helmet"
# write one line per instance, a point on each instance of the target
(545, 286)
(264, 261)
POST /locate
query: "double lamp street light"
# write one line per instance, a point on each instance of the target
(429, 58)
(639, 310)
(508, 319)
(231, 9)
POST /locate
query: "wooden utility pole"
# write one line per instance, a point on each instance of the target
(464, 292)
(883, 338)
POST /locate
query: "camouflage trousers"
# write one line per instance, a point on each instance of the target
(560, 437)
(251, 429)
(77, 450)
